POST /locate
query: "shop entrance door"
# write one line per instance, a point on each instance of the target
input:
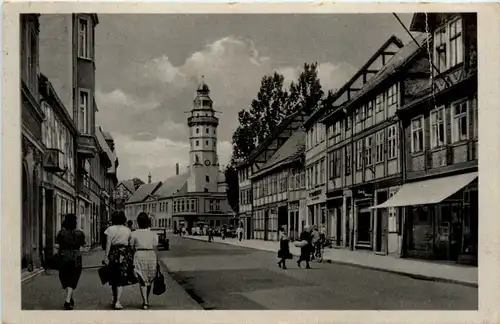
(266, 225)
(338, 218)
(364, 227)
(381, 224)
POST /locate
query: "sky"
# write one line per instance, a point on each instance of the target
(148, 68)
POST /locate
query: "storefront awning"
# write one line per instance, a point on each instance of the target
(428, 192)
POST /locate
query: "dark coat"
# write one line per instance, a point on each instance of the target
(306, 250)
(284, 251)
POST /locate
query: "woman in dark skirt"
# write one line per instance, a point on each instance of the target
(284, 251)
(69, 240)
(119, 256)
(306, 250)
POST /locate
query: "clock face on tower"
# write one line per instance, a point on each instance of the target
(207, 162)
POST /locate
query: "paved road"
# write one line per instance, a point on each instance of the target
(225, 277)
(45, 292)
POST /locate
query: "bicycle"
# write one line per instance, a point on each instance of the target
(317, 254)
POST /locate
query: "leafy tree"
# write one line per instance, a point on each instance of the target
(306, 93)
(232, 187)
(137, 183)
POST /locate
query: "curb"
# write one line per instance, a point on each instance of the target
(363, 266)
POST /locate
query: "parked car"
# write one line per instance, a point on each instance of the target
(163, 242)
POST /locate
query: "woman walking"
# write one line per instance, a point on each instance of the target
(69, 241)
(306, 250)
(119, 256)
(144, 242)
(284, 251)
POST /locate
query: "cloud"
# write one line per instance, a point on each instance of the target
(149, 104)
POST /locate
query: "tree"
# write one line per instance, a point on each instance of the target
(232, 187)
(137, 183)
(306, 93)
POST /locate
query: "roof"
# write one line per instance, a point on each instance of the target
(317, 113)
(281, 126)
(403, 56)
(143, 192)
(104, 145)
(172, 185)
(107, 135)
(129, 184)
(288, 152)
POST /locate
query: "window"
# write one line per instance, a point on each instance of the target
(448, 45)
(348, 123)
(392, 95)
(197, 143)
(348, 159)
(460, 121)
(192, 205)
(369, 109)
(336, 163)
(379, 107)
(456, 47)
(357, 116)
(359, 154)
(197, 130)
(391, 142)
(380, 147)
(84, 37)
(207, 130)
(438, 134)
(316, 173)
(322, 171)
(368, 150)
(417, 134)
(83, 110)
(337, 132)
(362, 112)
(206, 143)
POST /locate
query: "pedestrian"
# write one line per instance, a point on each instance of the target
(145, 243)
(130, 225)
(239, 231)
(284, 251)
(119, 256)
(69, 240)
(306, 250)
(210, 234)
(315, 241)
(223, 232)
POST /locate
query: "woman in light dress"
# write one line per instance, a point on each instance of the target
(119, 256)
(144, 242)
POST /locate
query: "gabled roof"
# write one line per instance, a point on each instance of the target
(362, 71)
(399, 60)
(129, 184)
(280, 128)
(171, 186)
(143, 192)
(290, 151)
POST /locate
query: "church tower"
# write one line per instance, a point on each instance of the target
(203, 161)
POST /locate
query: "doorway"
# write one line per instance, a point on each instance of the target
(364, 227)
(25, 227)
(338, 223)
(266, 225)
(283, 217)
(381, 223)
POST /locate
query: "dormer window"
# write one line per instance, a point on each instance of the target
(84, 38)
(448, 45)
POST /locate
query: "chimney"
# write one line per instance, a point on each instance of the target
(177, 169)
(149, 177)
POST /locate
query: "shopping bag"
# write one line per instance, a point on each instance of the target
(300, 243)
(159, 286)
(104, 274)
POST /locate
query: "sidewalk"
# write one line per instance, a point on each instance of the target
(45, 293)
(459, 274)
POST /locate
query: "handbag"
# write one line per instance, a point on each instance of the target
(159, 286)
(54, 262)
(104, 274)
(300, 243)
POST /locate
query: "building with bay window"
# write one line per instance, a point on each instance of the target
(32, 147)
(440, 137)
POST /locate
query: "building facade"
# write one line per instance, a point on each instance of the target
(59, 176)
(278, 188)
(440, 138)
(123, 191)
(32, 147)
(245, 197)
